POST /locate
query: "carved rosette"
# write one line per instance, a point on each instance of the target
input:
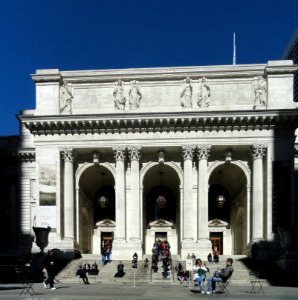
(188, 152)
(134, 152)
(203, 152)
(65, 99)
(258, 151)
(68, 154)
(119, 153)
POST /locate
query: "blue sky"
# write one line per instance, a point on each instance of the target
(101, 34)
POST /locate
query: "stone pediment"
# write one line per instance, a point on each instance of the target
(161, 223)
(218, 223)
(106, 223)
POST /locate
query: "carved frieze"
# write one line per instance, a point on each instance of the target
(135, 95)
(65, 99)
(204, 93)
(186, 95)
(119, 98)
(260, 92)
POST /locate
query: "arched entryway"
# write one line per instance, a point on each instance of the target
(227, 208)
(96, 207)
(161, 197)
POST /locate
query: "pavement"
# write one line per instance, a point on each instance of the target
(125, 291)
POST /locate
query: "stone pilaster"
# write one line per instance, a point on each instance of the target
(69, 226)
(257, 154)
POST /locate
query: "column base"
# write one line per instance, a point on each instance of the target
(124, 250)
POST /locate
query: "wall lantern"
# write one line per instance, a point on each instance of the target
(103, 202)
(220, 201)
(161, 201)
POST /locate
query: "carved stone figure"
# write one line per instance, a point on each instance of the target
(135, 95)
(204, 93)
(119, 98)
(65, 99)
(260, 92)
(186, 95)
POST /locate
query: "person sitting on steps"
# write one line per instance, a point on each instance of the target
(82, 273)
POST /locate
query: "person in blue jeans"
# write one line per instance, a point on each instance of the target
(220, 276)
(199, 274)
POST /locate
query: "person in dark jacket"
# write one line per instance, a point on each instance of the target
(82, 273)
(49, 265)
(221, 275)
(120, 270)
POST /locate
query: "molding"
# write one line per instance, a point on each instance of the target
(162, 122)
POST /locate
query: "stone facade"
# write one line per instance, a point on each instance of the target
(187, 154)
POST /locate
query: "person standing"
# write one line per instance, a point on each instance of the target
(49, 265)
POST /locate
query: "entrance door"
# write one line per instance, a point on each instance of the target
(161, 236)
(106, 240)
(217, 242)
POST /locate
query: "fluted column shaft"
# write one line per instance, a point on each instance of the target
(203, 154)
(257, 153)
(187, 152)
(120, 193)
(69, 226)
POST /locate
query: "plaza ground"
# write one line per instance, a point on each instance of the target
(76, 291)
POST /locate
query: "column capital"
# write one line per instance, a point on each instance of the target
(134, 152)
(68, 154)
(258, 151)
(203, 151)
(119, 153)
(187, 151)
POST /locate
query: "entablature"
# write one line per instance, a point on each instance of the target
(162, 122)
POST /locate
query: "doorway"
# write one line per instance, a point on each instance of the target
(107, 240)
(217, 242)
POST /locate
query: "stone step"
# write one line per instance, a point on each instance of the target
(141, 274)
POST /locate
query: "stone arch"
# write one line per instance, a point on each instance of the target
(82, 168)
(238, 163)
(170, 164)
(231, 181)
(156, 219)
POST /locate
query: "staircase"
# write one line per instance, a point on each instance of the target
(144, 275)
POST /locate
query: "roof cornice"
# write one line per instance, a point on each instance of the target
(160, 122)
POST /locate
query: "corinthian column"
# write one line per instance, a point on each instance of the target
(187, 152)
(68, 156)
(257, 153)
(203, 154)
(120, 193)
(134, 208)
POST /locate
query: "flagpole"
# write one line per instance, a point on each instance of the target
(234, 49)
